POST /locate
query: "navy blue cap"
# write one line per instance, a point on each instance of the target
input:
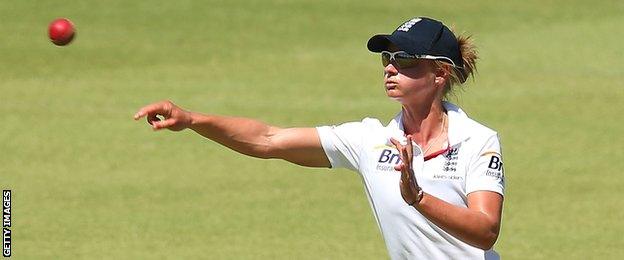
(423, 36)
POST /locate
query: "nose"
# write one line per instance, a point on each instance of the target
(390, 69)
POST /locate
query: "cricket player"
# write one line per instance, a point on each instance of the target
(433, 176)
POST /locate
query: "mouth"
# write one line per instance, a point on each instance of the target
(390, 85)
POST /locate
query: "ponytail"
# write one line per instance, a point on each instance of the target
(468, 53)
(469, 56)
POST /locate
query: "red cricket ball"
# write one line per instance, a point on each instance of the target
(61, 31)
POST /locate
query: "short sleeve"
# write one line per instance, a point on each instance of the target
(342, 144)
(486, 171)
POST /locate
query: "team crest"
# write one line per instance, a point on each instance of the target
(407, 25)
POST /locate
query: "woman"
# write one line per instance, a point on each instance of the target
(433, 176)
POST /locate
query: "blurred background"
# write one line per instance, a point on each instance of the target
(89, 182)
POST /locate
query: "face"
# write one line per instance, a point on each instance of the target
(413, 82)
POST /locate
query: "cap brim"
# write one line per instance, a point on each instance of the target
(382, 42)
(379, 43)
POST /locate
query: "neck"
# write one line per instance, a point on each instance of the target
(423, 123)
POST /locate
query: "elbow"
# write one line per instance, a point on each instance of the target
(489, 234)
(256, 150)
(488, 240)
(262, 148)
(272, 148)
(267, 147)
(263, 152)
(268, 151)
(265, 155)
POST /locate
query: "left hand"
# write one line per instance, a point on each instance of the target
(408, 184)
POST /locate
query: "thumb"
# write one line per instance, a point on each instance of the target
(157, 125)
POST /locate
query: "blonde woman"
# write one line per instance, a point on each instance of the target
(433, 176)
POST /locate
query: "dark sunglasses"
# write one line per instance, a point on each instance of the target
(403, 60)
(400, 59)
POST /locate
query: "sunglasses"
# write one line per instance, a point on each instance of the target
(403, 60)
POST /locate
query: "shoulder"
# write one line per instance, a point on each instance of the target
(367, 124)
(463, 127)
(478, 130)
(483, 141)
(371, 123)
(475, 137)
(355, 130)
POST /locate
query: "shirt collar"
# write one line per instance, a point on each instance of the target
(457, 118)
(457, 130)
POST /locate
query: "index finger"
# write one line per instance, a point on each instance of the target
(149, 109)
(405, 157)
(396, 143)
(410, 147)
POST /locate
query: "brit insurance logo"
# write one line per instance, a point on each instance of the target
(388, 158)
(495, 164)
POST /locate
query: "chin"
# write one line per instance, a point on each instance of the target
(397, 99)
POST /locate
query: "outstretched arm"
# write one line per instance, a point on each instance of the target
(301, 146)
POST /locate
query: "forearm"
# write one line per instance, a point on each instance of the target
(246, 136)
(472, 226)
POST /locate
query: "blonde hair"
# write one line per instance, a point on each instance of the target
(469, 56)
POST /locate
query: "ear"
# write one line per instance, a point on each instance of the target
(441, 76)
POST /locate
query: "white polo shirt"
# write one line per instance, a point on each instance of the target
(472, 163)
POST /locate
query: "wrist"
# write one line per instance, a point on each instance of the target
(197, 121)
(419, 196)
(190, 121)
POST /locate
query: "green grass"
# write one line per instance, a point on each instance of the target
(88, 182)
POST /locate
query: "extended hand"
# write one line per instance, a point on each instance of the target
(174, 117)
(408, 184)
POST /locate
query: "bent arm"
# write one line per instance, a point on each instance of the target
(247, 136)
(477, 225)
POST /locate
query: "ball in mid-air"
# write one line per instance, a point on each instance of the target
(61, 31)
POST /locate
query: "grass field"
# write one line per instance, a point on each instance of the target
(89, 182)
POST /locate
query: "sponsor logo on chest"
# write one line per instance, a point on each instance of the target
(387, 160)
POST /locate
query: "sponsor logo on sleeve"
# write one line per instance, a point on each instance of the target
(495, 164)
